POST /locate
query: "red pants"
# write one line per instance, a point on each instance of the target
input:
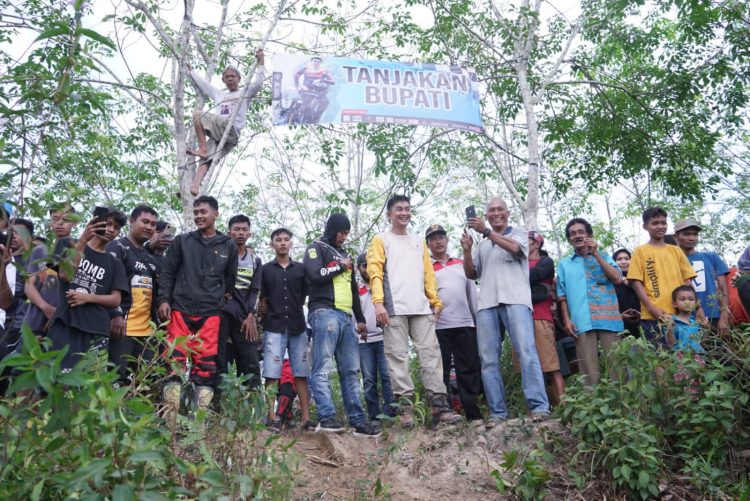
(200, 341)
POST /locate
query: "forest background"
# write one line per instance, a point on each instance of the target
(595, 109)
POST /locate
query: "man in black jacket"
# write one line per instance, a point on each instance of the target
(334, 295)
(200, 271)
(238, 317)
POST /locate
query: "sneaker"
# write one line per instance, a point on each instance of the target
(538, 417)
(273, 425)
(310, 426)
(204, 395)
(493, 422)
(366, 430)
(376, 425)
(330, 425)
(171, 395)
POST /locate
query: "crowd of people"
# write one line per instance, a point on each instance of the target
(291, 323)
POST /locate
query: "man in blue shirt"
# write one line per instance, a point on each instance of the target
(710, 280)
(588, 301)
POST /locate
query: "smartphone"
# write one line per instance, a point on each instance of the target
(470, 212)
(169, 231)
(6, 237)
(100, 215)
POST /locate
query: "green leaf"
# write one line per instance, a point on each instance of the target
(625, 470)
(45, 377)
(643, 478)
(96, 36)
(53, 32)
(36, 493)
(144, 456)
(123, 493)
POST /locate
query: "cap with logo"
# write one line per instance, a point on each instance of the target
(434, 230)
(686, 223)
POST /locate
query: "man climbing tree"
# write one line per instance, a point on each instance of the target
(210, 126)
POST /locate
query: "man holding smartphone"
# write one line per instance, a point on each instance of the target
(97, 285)
(501, 263)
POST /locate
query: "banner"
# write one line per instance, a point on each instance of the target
(314, 90)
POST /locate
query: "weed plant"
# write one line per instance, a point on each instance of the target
(665, 413)
(76, 435)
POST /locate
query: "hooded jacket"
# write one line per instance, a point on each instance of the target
(332, 285)
(198, 273)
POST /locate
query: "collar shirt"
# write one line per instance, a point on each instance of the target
(591, 296)
(457, 293)
(285, 289)
(504, 277)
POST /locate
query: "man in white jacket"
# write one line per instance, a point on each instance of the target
(210, 126)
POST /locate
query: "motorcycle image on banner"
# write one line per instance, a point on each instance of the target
(310, 90)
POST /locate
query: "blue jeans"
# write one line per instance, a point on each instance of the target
(518, 321)
(334, 336)
(372, 361)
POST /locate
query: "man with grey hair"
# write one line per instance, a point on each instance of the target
(501, 262)
(210, 127)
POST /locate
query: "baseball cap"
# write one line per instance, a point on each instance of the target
(686, 223)
(362, 259)
(538, 237)
(433, 229)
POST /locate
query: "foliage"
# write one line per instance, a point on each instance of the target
(529, 471)
(662, 411)
(82, 436)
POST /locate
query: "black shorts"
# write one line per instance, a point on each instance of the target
(78, 343)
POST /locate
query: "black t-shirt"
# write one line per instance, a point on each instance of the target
(99, 273)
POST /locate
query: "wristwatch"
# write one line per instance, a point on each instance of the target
(486, 233)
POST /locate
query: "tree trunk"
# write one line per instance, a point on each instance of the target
(185, 172)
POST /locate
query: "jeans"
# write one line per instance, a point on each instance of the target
(334, 336)
(517, 320)
(372, 360)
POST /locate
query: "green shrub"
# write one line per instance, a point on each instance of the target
(84, 438)
(661, 412)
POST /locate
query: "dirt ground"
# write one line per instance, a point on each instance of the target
(451, 463)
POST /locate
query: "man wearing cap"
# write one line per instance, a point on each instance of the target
(372, 360)
(504, 305)
(210, 126)
(333, 299)
(456, 326)
(710, 281)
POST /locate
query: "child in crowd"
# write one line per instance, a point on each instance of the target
(656, 269)
(684, 333)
